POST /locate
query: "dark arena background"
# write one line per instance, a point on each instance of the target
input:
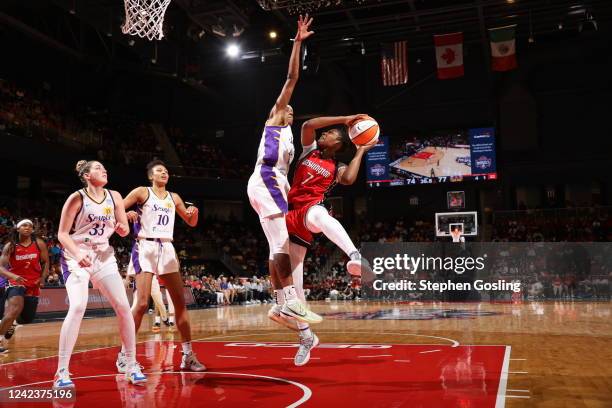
(495, 145)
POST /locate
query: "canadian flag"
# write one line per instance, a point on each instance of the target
(449, 55)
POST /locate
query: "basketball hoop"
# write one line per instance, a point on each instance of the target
(145, 18)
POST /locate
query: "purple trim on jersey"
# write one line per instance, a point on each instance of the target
(268, 176)
(135, 261)
(271, 145)
(137, 224)
(3, 281)
(64, 266)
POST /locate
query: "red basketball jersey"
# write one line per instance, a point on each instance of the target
(25, 262)
(314, 177)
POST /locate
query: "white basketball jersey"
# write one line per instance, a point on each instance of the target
(156, 217)
(276, 149)
(95, 223)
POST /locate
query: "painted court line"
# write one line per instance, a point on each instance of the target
(379, 355)
(454, 343)
(500, 402)
(428, 351)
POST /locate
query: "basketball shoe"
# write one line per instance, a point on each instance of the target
(62, 379)
(190, 362)
(358, 265)
(135, 375)
(307, 343)
(275, 315)
(299, 311)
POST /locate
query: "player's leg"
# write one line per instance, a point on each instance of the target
(160, 308)
(111, 286)
(318, 220)
(13, 308)
(140, 304)
(143, 283)
(30, 304)
(171, 312)
(174, 286)
(279, 297)
(279, 246)
(308, 340)
(77, 287)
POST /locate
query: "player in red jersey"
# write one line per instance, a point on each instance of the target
(27, 259)
(316, 173)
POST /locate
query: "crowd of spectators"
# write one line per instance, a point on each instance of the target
(35, 114)
(207, 159)
(574, 225)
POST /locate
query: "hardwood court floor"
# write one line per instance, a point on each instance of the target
(560, 355)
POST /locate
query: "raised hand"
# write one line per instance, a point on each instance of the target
(303, 28)
(349, 120)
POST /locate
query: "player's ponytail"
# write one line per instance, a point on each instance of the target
(82, 167)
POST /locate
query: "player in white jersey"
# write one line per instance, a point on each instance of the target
(89, 217)
(268, 188)
(153, 253)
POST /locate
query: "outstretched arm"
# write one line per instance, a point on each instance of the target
(348, 174)
(310, 126)
(294, 65)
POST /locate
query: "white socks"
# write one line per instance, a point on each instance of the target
(279, 297)
(290, 293)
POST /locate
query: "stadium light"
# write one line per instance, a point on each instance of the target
(233, 50)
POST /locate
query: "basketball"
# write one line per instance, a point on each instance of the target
(364, 132)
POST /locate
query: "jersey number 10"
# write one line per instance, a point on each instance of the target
(162, 219)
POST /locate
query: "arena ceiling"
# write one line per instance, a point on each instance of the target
(197, 31)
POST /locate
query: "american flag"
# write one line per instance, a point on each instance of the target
(393, 63)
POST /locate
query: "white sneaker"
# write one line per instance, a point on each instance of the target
(299, 311)
(62, 379)
(303, 354)
(190, 362)
(135, 375)
(121, 363)
(358, 266)
(275, 315)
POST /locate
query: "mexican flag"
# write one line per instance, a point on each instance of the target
(503, 48)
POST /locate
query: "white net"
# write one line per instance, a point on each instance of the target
(145, 18)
